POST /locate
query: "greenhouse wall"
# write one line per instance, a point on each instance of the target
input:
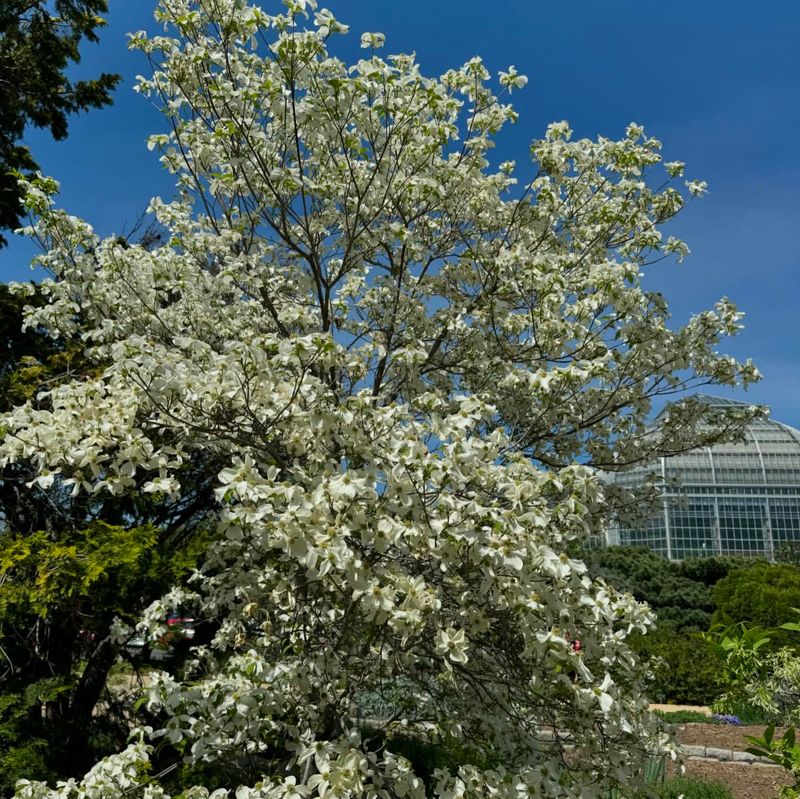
(729, 499)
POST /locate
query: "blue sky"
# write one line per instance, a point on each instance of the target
(717, 82)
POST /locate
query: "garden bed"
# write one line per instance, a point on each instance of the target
(720, 736)
(745, 780)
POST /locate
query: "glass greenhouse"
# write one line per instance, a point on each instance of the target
(728, 499)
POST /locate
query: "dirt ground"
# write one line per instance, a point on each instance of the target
(722, 736)
(746, 780)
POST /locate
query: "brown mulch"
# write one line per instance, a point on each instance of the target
(722, 736)
(746, 781)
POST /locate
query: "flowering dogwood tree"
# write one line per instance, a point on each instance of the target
(410, 363)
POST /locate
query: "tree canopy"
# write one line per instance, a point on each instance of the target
(763, 595)
(405, 363)
(38, 41)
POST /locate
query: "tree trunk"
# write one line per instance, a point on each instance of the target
(86, 693)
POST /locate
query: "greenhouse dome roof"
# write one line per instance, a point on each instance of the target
(769, 454)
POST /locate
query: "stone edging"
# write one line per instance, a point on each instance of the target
(723, 755)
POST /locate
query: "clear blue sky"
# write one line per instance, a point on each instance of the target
(717, 82)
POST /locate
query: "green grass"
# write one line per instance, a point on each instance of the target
(692, 788)
(685, 717)
(745, 714)
(748, 714)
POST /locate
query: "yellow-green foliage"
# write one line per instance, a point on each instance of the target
(58, 596)
(101, 563)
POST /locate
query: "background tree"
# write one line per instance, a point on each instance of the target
(68, 568)
(679, 592)
(681, 596)
(402, 362)
(762, 595)
(38, 41)
(788, 552)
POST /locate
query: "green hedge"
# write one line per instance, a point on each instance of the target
(761, 596)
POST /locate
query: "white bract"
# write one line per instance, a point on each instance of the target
(409, 364)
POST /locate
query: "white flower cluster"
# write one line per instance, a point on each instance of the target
(401, 359)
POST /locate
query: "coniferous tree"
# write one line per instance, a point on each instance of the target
(38, 42)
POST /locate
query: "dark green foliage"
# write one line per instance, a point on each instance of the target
(678, 591)
(762, 595)
(16, 346)
(685, 671)
(68, 567)
(425, 756)
(692, 788)
(709, 571)
(428, 756)
(38, 41)
(21, 754)
(688, 597)
(788, 552)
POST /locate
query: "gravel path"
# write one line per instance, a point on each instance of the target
(674, 708)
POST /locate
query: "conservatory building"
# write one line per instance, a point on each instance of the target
(727, 499)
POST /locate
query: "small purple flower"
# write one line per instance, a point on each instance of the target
(725, 718)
